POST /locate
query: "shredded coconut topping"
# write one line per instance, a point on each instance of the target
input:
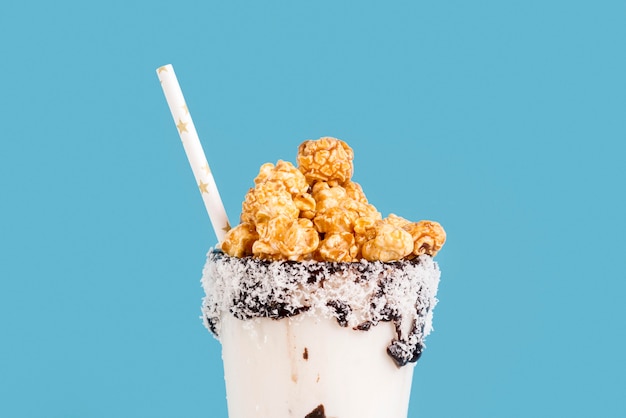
(358, 295)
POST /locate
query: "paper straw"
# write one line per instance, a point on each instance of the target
(194, 151)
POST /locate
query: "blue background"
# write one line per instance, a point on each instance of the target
(503, 120)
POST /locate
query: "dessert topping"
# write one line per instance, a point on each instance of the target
(315, 212)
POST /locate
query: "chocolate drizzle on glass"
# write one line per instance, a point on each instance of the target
(318, 412)
(358, 295)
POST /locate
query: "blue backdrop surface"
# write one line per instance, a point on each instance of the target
(503, 120)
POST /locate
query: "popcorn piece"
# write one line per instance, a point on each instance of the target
(267, 201)
(362, 209)
(390, 243)
(283, 172)
(364, 231)
(365, 227)
(334, 220)
(286, 238)
(328, 197)
(326, 159)
(340, 247)
(337, 211)
(300, 240)
(276, 186)
(306, 204)
(248, 208)
(270, 233)
(355, 192)
(238, 241)
(396, 220)
(265, 171)
(428, 237)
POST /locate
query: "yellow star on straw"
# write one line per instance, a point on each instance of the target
(227, 227)
(203, 187)
(185, 109)
(182, 126)
(206, 168)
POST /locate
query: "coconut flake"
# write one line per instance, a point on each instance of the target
(358, 295)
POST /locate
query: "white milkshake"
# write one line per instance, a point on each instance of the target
(299, 367)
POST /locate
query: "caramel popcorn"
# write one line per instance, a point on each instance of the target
(396, 220)
(300, 240)
(390, 243)
(266, 201)
(428, 237)
(326, 159)
(286, 238)
(265, 172)
(327, 196)
(306, 205)
(364, 231)
(270, 233)
(365, 227)
(362, 209)
(283, 172)
(315, 212)
(238, 241)
(339, 246)
(335, 219)
(336, 210)
(355, 192)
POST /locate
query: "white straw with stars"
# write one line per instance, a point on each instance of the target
(194, 151)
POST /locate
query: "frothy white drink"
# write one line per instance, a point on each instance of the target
(311, 366)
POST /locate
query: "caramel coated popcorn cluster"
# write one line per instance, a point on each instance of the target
(315, 212)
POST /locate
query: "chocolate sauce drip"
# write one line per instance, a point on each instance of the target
(403, 353)
(212, 324)
(317, 412)
(305, 354)
(342, 310)
(364, 326)
(316, 275)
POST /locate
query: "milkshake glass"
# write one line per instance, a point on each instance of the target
(319, 339)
